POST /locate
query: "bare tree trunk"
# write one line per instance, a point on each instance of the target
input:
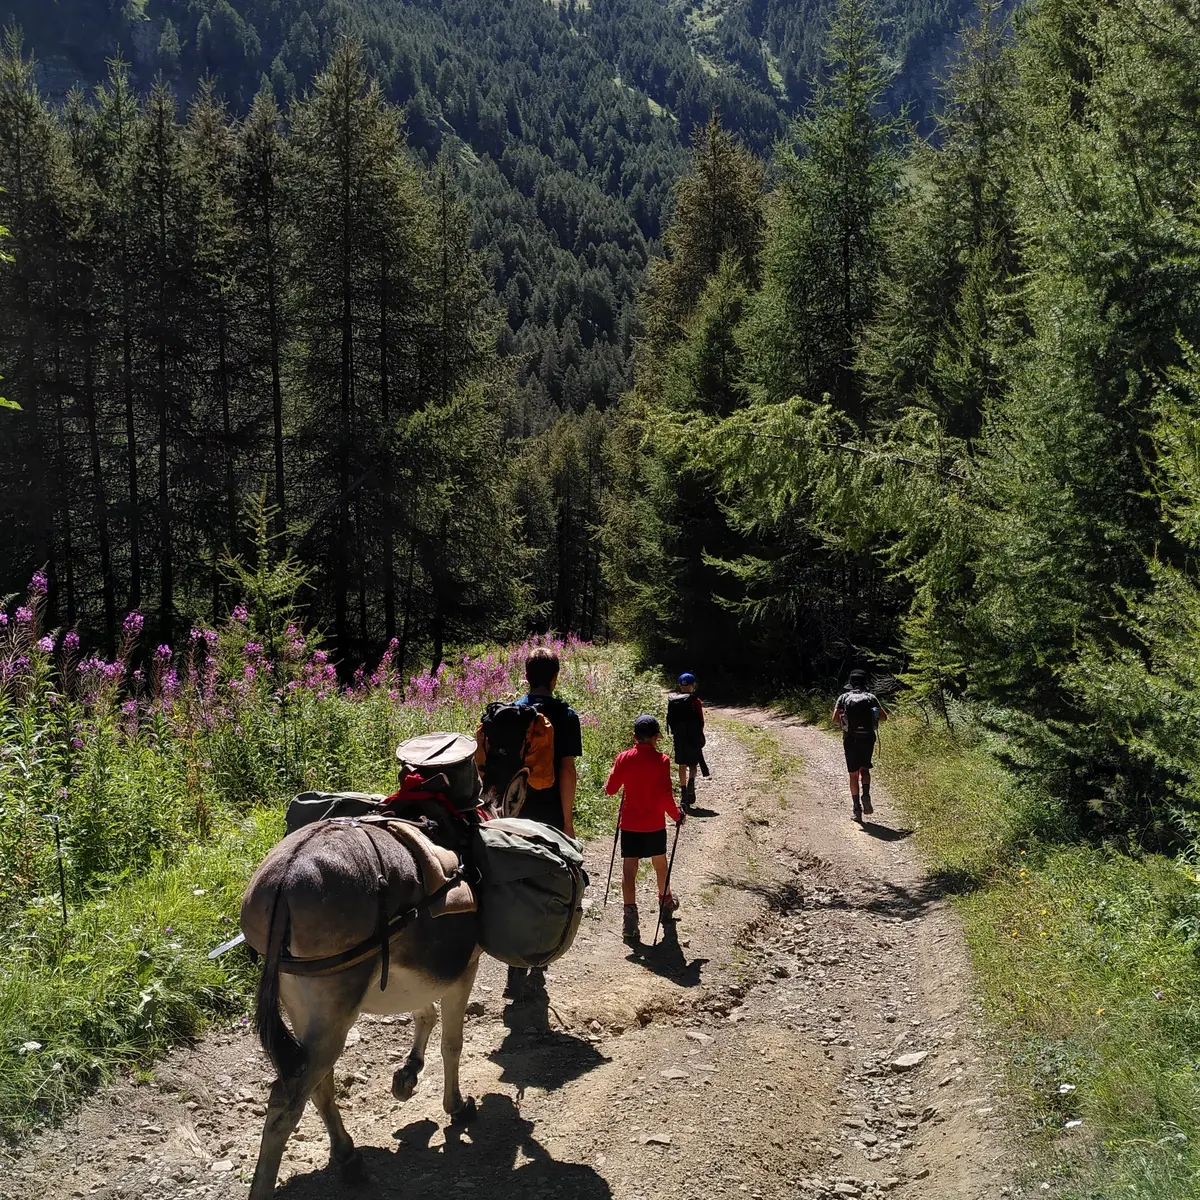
(99, 495)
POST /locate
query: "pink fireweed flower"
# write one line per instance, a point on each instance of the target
(71, 641)
(132, 625)
(24, 615)
(241, 614)
(3, 620)
(253, 650)
(46, 645)
(39, 585)
(163, 653)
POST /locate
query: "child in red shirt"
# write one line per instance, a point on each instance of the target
(645, 774)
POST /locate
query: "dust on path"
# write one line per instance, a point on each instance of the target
(749, 1058)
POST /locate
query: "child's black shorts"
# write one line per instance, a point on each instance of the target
(859, 747)
(643, 845)
(687, 754)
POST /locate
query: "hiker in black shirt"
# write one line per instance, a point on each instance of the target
(858, 713)
(554, 805)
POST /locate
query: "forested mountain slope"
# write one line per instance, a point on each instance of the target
(572, 120)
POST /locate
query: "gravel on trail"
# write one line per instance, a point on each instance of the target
(808, 1031)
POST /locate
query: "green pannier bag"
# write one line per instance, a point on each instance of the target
(321, 806)
(530, 892)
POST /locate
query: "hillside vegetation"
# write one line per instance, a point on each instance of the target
(137, 802)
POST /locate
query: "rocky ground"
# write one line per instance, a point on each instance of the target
(807, 1032)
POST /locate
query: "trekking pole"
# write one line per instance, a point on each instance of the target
(613, 860)
(666, 883)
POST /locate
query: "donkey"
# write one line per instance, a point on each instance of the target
(327, 891)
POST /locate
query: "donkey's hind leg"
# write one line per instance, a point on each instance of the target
(454, 1009)
(341, 1144)
(404, 1081)
(286, 1104)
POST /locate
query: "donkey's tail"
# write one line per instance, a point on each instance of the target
(277, 1039)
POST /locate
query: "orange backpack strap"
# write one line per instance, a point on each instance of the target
(480, 747)
(539, 753)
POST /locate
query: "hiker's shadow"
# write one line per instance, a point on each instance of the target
(534, 1055)
(667, 959)
(702, 812)
(479, 1159)
(885, 833)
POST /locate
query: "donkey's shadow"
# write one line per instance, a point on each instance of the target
(479, 1159)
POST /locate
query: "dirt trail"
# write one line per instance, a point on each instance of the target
(750, 1058)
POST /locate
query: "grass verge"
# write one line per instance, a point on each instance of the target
(1086, 961)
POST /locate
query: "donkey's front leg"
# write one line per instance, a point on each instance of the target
(454, 1010)
(404, 1081)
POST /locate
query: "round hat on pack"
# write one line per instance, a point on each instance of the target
(686, 678)
(646, 726)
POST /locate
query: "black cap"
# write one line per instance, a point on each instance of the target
(646, 726)
(858, 675)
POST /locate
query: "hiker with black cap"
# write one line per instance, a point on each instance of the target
(685, 723)
(645, 774)
(858, 713)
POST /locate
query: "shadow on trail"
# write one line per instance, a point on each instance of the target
(702, 813)
(884, 832)
(667, 959)
(534, 1055)
(875, 895)
(478, 1159)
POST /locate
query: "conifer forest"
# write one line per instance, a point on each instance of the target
(766, 340)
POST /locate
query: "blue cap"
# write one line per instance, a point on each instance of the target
(686, 678)
(646, 726)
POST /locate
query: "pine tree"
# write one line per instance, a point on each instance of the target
(264, 271)
(826, 239)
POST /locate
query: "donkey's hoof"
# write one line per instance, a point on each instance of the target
(354, 1167)
(404, 1083)
(465, 1113)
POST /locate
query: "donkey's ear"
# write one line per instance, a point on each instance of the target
(515, 793)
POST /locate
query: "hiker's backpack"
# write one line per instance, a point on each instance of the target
(451, 755)
(516, 735)
(530, 890)
(683, 720)
(858, 711)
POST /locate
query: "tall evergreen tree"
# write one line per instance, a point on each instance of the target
(826, 244)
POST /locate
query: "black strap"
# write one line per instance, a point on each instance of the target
(372, 946)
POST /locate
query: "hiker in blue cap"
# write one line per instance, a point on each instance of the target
(685, 722)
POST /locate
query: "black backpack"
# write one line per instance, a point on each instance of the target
(682, 718)
(858, 709)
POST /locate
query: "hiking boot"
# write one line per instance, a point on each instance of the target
(866, 803)
(691, 795)
(630, 933)
(514, 987)
(857, 813)
(668, 906)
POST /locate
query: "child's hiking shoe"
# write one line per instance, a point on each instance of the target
(857, 813)
(668, 906)
(630, 933)
(867, 807)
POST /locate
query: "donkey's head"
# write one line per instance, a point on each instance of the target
(505, 733)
